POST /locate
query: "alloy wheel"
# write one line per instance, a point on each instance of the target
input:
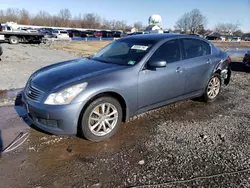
(103, 119)
(213, 88)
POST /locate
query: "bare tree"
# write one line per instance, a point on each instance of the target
(2, 16)
(182, 23)
(106, 24)
(121, 25)
(139, 26)
(12, 15)
(63, 19)
(91, 20)
(191, 21)
(42, 18)
(65, 16)
(201, 30)
(24, 17)
(227, 28)
(196, 19)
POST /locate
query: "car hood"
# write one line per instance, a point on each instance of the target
(60, 74)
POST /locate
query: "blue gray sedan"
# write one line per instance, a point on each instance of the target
(93, 96)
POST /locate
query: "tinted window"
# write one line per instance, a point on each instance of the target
(64, 32)
(169, 52)
(195, 48)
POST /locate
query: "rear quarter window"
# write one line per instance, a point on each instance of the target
(193, 48)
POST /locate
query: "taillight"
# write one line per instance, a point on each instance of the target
(229, 59)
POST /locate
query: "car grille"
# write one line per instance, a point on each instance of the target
(34, 93)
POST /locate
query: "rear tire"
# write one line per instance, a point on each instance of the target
(1, 50)
(13, 40)
(101, 119)
(213, 89)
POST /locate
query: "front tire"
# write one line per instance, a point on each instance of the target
(101, 119)
(213, 88)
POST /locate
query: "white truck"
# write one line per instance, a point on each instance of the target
(15, 36)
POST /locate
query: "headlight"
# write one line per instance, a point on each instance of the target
(66, 95)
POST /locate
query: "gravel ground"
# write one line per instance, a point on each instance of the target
(19, 61)
(187, 144)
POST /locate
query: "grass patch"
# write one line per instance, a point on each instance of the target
(86, 48)
(231, 44)
(83, 48)
(237, 59)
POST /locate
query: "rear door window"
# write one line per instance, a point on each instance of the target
(168, 51)
(193, 48)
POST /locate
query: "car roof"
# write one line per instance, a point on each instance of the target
(152, 36)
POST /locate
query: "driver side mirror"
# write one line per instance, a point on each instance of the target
(157, 64)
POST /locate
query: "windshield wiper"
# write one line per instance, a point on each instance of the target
(101, 60)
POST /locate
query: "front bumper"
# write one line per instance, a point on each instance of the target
(55, 119)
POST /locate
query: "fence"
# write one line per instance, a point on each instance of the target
(93, 39)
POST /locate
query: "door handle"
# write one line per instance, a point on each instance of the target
(179, 70)
(209, 61)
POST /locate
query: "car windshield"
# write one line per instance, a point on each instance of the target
(124, 52)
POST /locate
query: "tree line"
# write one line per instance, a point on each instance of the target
(190, 22)
(194, 22)
(64, 19)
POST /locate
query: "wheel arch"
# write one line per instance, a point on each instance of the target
(218, 69)
(113, 94)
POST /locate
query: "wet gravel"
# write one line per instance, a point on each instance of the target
(187, 144)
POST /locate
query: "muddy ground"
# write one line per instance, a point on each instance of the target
(188, 144)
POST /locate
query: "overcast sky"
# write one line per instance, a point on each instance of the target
(139, 10)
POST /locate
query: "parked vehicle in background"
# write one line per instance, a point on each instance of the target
(89, 33)
(117, 34)
(106, 34)
(7, 33)
(246, 39)
(103, 33)
(97, 34)
(77, 33)
(92, 96)
(139, 33)
(246, 59)
(28, 30)
(60, 34)
(74, 33)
